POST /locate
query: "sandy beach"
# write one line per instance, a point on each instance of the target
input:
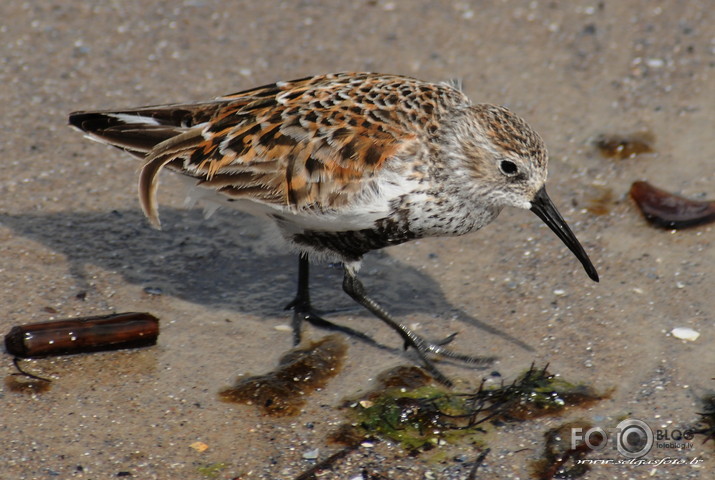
(74, 241)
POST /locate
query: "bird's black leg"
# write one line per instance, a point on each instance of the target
(304, 311)
(356, 290)
(301, 303)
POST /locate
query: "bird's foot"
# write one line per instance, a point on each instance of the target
(437, 348)
(425, 349)
(304, 311)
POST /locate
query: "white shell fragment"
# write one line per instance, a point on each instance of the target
(312, 454)
(685, 333)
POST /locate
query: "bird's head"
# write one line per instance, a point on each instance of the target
(507, 161)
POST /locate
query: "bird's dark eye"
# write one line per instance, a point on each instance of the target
(507, 167)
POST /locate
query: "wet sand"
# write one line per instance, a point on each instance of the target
(74, 241)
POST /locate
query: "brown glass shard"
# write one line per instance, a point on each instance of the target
(666, 210)
(301, 371)
(625, 146)
(82, 335)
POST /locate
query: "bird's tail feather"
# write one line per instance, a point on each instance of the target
(138, 131)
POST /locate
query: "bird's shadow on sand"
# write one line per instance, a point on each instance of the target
(222, 262)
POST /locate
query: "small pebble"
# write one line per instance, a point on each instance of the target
(311, 454)
(199, 446)
(283, 328)
(685, 333)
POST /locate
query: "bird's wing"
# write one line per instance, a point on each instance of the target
(305, 144)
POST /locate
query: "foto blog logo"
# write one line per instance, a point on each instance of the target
(633, 438)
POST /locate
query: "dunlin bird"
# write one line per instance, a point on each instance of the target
(344, 164)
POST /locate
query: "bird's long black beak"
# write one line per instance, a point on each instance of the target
(545, 209)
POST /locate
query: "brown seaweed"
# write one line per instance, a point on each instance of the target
(624, 146)
(421, 416)
(600, 201)
(706, 425)
(666, 210)
(24, 384)
(301, 371)
(561, 458)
